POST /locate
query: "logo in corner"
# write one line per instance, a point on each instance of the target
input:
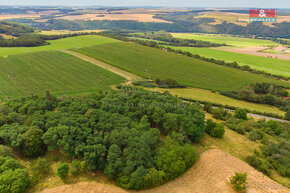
(263, 15)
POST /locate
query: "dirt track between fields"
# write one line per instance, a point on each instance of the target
(127, 75)
(254, 51)
(210, 174)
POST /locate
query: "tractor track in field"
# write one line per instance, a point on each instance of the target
(127, 75)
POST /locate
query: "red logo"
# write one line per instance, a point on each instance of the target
(263, 13)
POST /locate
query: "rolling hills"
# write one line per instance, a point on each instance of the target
(153, 63)
(52, 71)
(65, 43)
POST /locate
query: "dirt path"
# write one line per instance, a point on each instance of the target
(210, 174)
(127, 75)
(254, 51)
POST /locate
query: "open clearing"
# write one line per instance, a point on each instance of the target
(234, 41)
(210, 173)
(214, 97)
(134, 17)
(65, 43)
(154, 63)
(271, 65)
(52, 71)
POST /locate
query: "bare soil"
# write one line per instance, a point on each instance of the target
(210, 174)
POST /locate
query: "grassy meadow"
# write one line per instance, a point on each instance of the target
(53, 71)
(237, 42)
(215, 97)
(65, 43)
(154, 63)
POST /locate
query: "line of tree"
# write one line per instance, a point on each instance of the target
(264, 93)
(117, 131)
(170, 40)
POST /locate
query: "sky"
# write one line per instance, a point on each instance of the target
(168, 3)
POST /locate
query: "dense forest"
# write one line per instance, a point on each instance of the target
(118, 131)
(14, 29)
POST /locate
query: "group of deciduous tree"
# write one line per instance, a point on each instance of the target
(264, 93)
(115, 131)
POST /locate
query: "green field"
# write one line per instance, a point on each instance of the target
(152, 63)
(65, 43)
(271, 65)
(53, 71)
(232, 41)
(214, 97)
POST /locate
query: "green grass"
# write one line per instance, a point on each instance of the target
(65, 43)
(60, 73)
(150, 62)
(215, 97)
(233, 41)
(270, 65)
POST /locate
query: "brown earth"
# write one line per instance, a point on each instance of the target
(210, 174)
(254, 51)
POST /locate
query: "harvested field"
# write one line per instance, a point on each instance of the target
(210, 173)
(254, 51)
(136, 17)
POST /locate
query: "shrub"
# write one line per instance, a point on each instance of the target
(287, 115)
(219, 113)
(153, 178)
(207, 107)
(32, 142)
(240, 114)
(40, 168)
(214, 129)
(62, 170)
(5, 151)
(260, 165)
(76, 167)
(239, 181)
(274, 126)
(210, 124)
(218, 131)
(255, 135)
(13, 178)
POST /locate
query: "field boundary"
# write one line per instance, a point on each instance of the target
(127, 75)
